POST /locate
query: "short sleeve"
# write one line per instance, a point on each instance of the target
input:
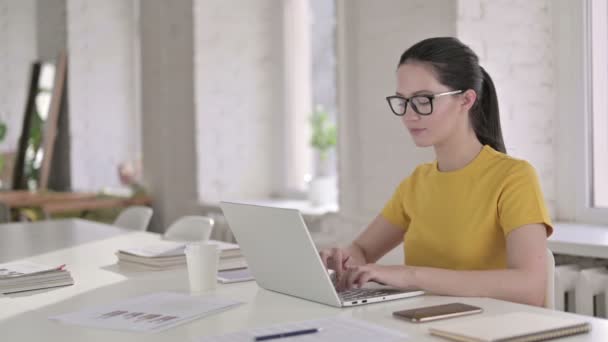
(521, 200)
(394, 211)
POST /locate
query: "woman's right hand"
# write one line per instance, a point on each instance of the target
(336, 259)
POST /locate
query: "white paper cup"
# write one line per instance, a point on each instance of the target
(202, 260)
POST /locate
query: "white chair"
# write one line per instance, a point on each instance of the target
(190, 228)
(134, 218)
(550, 286)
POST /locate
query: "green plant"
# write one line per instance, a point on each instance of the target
(324, 133)
(2, 136)
(31, 170)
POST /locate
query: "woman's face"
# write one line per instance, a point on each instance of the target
(449, 112)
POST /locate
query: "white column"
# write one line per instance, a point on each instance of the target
(168, 113)
(17, 53)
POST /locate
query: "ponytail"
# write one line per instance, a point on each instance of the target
(486, 116)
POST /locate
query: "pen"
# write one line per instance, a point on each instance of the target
(287, 334)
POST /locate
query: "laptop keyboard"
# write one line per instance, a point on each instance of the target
(357, 294)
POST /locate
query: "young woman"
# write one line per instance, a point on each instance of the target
(474, 222)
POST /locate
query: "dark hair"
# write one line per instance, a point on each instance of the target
(457, 67)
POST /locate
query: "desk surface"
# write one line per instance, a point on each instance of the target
(98, 280)
(20, 240)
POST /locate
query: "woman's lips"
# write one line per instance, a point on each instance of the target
(417, 131)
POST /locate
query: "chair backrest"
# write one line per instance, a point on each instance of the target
(550, 289)
(134, 218)
(190, 228)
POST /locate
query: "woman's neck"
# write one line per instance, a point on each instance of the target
(457, 153)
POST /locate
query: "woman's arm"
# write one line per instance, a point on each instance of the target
(377, 239)
(524, 281)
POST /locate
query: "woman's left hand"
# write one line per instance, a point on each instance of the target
(395, 276)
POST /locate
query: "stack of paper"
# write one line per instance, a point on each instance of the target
(27, 276)
(166, 255)
(148, 313)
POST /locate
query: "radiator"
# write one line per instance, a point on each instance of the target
(581, 286)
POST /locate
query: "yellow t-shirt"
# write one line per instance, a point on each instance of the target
(460, 219)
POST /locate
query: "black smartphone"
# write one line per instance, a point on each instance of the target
(431, 313)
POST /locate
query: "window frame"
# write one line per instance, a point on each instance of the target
(297, 156)
(574, 168)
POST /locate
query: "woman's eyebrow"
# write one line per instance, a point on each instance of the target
(424, 91)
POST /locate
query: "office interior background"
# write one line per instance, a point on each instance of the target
(210, 100)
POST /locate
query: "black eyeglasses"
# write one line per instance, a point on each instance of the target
(421, 104)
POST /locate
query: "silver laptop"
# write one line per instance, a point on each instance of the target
(283, 257)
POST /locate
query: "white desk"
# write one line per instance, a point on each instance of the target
(98, 280)
(18, 240)
(580, 239)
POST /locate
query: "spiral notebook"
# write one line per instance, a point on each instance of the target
(512, 327)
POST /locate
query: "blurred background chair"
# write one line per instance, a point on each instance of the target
(550, 286)
(134, 218)
(190, 228)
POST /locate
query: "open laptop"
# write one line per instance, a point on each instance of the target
(283, 257)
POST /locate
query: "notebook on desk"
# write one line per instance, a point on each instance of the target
(168, 255)
(511, 327)
(23, 276)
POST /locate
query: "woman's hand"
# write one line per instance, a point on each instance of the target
(380, 237)
(337, 259)
(395, 276)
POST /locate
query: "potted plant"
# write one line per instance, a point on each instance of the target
(322, 187)
(2, 136)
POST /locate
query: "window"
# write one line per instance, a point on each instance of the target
(310, 82)
(581, 45)
(599, 103)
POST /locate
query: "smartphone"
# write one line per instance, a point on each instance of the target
(235, 275)
(432, 313)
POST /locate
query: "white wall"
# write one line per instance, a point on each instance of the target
(102, 90)
(17, 52)
(239, 97)
(375, 151)
(514, 41)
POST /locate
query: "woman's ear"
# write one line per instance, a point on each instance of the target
(468, 99)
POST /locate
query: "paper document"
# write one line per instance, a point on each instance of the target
(161, 248)
(21, 268)
(172, 248)
(333, 329)
(27, 276)
(148, 313)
